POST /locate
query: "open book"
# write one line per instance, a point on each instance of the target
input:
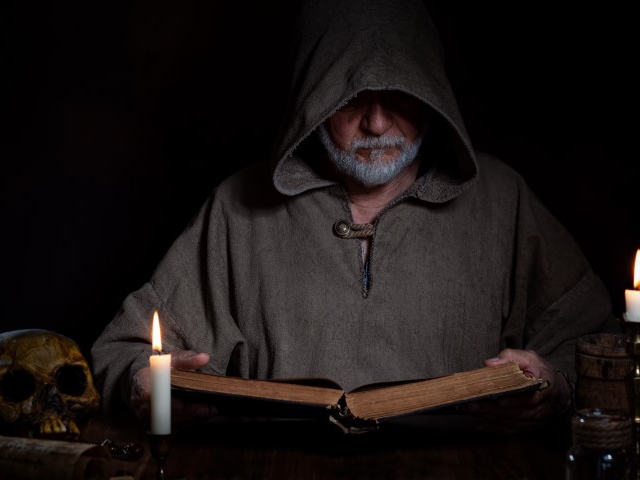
(358, 410)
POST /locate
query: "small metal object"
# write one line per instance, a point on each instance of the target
(130, 451)
(341, 228)
(159, 445)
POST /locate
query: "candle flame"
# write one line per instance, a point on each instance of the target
(636, 272)
(156, 339)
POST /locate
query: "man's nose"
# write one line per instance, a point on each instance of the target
(376, 120)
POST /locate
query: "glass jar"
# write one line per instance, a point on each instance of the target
(601, 446)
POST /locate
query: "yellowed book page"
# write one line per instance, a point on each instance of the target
(275, 390)
(424, 394)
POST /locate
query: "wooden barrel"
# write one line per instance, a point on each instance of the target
(602, 365)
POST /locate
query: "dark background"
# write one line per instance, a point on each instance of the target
(118, 118)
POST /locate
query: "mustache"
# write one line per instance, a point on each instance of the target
(377, 142)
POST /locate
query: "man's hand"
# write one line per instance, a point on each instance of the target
(183, 413)
(528, 409)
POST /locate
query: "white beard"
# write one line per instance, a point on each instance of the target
(377, 170)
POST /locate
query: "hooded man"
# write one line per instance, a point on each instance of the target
(375, 246)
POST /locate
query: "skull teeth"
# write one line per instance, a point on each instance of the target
(73, 428)
(52, 425)
(55, 426)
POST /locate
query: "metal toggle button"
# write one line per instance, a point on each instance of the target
(341, 228)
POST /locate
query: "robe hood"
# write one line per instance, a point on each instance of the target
(343, 47)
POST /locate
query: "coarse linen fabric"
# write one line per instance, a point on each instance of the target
(467, 262)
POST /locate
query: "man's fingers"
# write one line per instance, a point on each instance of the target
(529, 362)
(188, 360)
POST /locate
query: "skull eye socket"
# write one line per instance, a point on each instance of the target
(17, 386)
(71, 380)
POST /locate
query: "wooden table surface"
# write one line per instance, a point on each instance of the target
(423, 447)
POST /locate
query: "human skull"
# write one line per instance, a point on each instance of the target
(46, 387)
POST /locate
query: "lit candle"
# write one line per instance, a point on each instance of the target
(632, 297)
(160, 384)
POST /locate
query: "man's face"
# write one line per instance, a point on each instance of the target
(376, 113)
(375, 136)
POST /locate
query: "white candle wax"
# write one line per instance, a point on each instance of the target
(632, 302)
(160, 394)
(160, 366)
(632, 297)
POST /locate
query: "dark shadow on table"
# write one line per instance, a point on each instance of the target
(415, 447)
(427, 446)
